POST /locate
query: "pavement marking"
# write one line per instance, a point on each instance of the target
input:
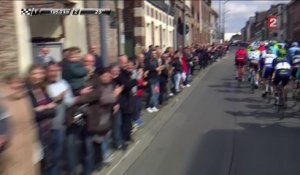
(123, 157)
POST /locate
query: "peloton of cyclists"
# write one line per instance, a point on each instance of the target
(276, 64)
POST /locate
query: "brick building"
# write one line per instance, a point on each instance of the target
(293, 33)
(114, 28)
(279, 34)
(146, 23)
(205, 25)
(23, 36)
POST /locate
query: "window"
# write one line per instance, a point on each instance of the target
(152, 13)
(148, 10)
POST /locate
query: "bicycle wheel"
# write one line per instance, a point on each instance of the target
(269, 92)
(281, 103)
(252, 81)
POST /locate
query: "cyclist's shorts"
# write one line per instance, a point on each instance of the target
(254, 65)
(240, 63)
(283, 78)
(267, 72)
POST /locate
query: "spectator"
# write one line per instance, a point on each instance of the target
(77, 128)
(152, 68)
(184, 64)
(99, 61)
(43, 58)
(117, 118)
(144, 51)
(60, 91)
(126, 100)
(89, 64)
(44, 111)
(176, 76)
(74, 72)
(140, 61)
(99, 119)
(163, 78)
(65, 55)
(148, 54)
(21, 154)
(137, 92)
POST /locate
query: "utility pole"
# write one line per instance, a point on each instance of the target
(103, 34)
(184, 26)
(219, 23)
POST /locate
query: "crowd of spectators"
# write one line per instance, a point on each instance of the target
(68, 117)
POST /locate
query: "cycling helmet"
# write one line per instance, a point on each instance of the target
(269, 51)
(281, 53)
(294, 44)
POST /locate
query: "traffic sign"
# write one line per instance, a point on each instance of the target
(272, 22)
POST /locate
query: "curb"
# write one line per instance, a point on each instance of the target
(153, 124)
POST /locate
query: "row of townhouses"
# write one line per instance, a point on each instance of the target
(131, 26)
(287, 27)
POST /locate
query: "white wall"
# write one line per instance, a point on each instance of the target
(75, 30)
(168, 41)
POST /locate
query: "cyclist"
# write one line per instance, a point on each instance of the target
(240, 60)
(295, 67)
(253, 59)
(274, 47)
(281, 74)
(292, 50)
(267, 65)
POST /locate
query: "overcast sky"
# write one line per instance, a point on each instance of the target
(239, 11)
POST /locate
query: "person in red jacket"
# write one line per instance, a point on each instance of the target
(240, 60)
(184, 68)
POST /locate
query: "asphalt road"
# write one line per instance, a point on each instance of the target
(223, 130)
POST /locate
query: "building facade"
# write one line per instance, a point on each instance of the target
(23, 36)
(280, 33)
(293, 27)
(214, 33)
(148, 23)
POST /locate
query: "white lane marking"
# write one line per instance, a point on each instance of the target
(123, 158)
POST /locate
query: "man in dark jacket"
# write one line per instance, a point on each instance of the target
(127, 104)
(74, 71)
(99, 62)
(152, 68)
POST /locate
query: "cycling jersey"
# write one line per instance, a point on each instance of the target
(283, 67)
(292, 51)
(268, 60)
(296, 61)
(254, 56)
(282, 71)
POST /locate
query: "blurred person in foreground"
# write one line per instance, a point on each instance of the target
(60, 91)
(100, 119)
(117, 118)
(44, 111)
(152, 68)
(127, 104)
(21, 155)
(79, 115)
(74, 71)
(99, 61)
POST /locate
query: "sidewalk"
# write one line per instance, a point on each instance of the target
(153, 123)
